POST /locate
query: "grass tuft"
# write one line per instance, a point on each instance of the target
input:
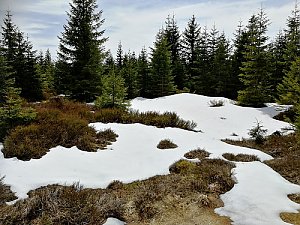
(240, 157)
(216, 103)
(166, 144)
(197, 154)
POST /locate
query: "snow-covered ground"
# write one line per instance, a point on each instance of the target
(258, 197)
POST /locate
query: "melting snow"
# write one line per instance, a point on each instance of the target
(258, 197)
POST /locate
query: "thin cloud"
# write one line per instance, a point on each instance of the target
(136, 22)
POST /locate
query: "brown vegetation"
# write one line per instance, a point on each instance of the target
(286, 152)
(166, 144)
(240, 157)
(190, 187)
(197, 154)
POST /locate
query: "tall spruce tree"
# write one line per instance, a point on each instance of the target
(81, 52)
(172, 36)
(21, 58)
(7, 81)
(143, 73)
(200, 84)
(289, 89)
(190, 45)
(130, 74)
(162, 81)
(241, 40)
(256, 67)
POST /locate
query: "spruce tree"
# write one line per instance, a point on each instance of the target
(241, 40)
(222, 68)
(162, 81)
(6, 79)
(21, 59)
(289, 89)
(143, 73)
(256, 67)
(113, 91)
(130, 74)
(190, 45)
(172, 36)
(81, 52)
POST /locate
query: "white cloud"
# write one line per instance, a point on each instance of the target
(136, 23)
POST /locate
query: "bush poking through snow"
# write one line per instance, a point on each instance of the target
(166, 144)
(53, 128)
(240, 157)
(6, 195)
(106, 137)
(258, 133)
(197, 154)
(194, 186)
(216, 103)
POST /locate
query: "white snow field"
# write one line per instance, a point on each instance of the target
(258, 196)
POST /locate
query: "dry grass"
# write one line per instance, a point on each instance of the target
(197, 154)
(240, 157)
(6, 195)
(216, 103)
(166, 144)
(285, 150)
(286, 153)
(190, 192)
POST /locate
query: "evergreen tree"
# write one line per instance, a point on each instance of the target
(172, 36)
(113, 91)
(278, 49)
(119, 60)
(143, 73)
(240, 42)
(256, 67)
(21, 59)
(130, 74)
(81, 52)
(289, 89)
(6, 79)
(292, 36)
(190, 44)
(202, 82)
(162, 82)
(222, 68)
(46, 70)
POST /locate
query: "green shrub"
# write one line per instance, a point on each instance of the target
(166, 144)
(257, 133)
(12, 114)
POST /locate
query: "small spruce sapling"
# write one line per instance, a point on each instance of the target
(258, 133)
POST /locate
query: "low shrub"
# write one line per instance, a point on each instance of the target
(258, 133)
(167, 119)
(6, 194)
(166, 144)
(216, 103)
(197, 154)
(240, 157)
(53, 128)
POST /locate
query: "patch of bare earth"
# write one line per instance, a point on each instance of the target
(286, 153)
(188, 195)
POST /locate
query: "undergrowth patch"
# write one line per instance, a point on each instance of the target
(193, 184)
(166, 144)
(197, 154)
(240, 157)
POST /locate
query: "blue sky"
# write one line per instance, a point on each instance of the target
(136, 22)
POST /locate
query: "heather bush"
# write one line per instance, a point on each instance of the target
(54, 128)
(240, 157)
(166, 144)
